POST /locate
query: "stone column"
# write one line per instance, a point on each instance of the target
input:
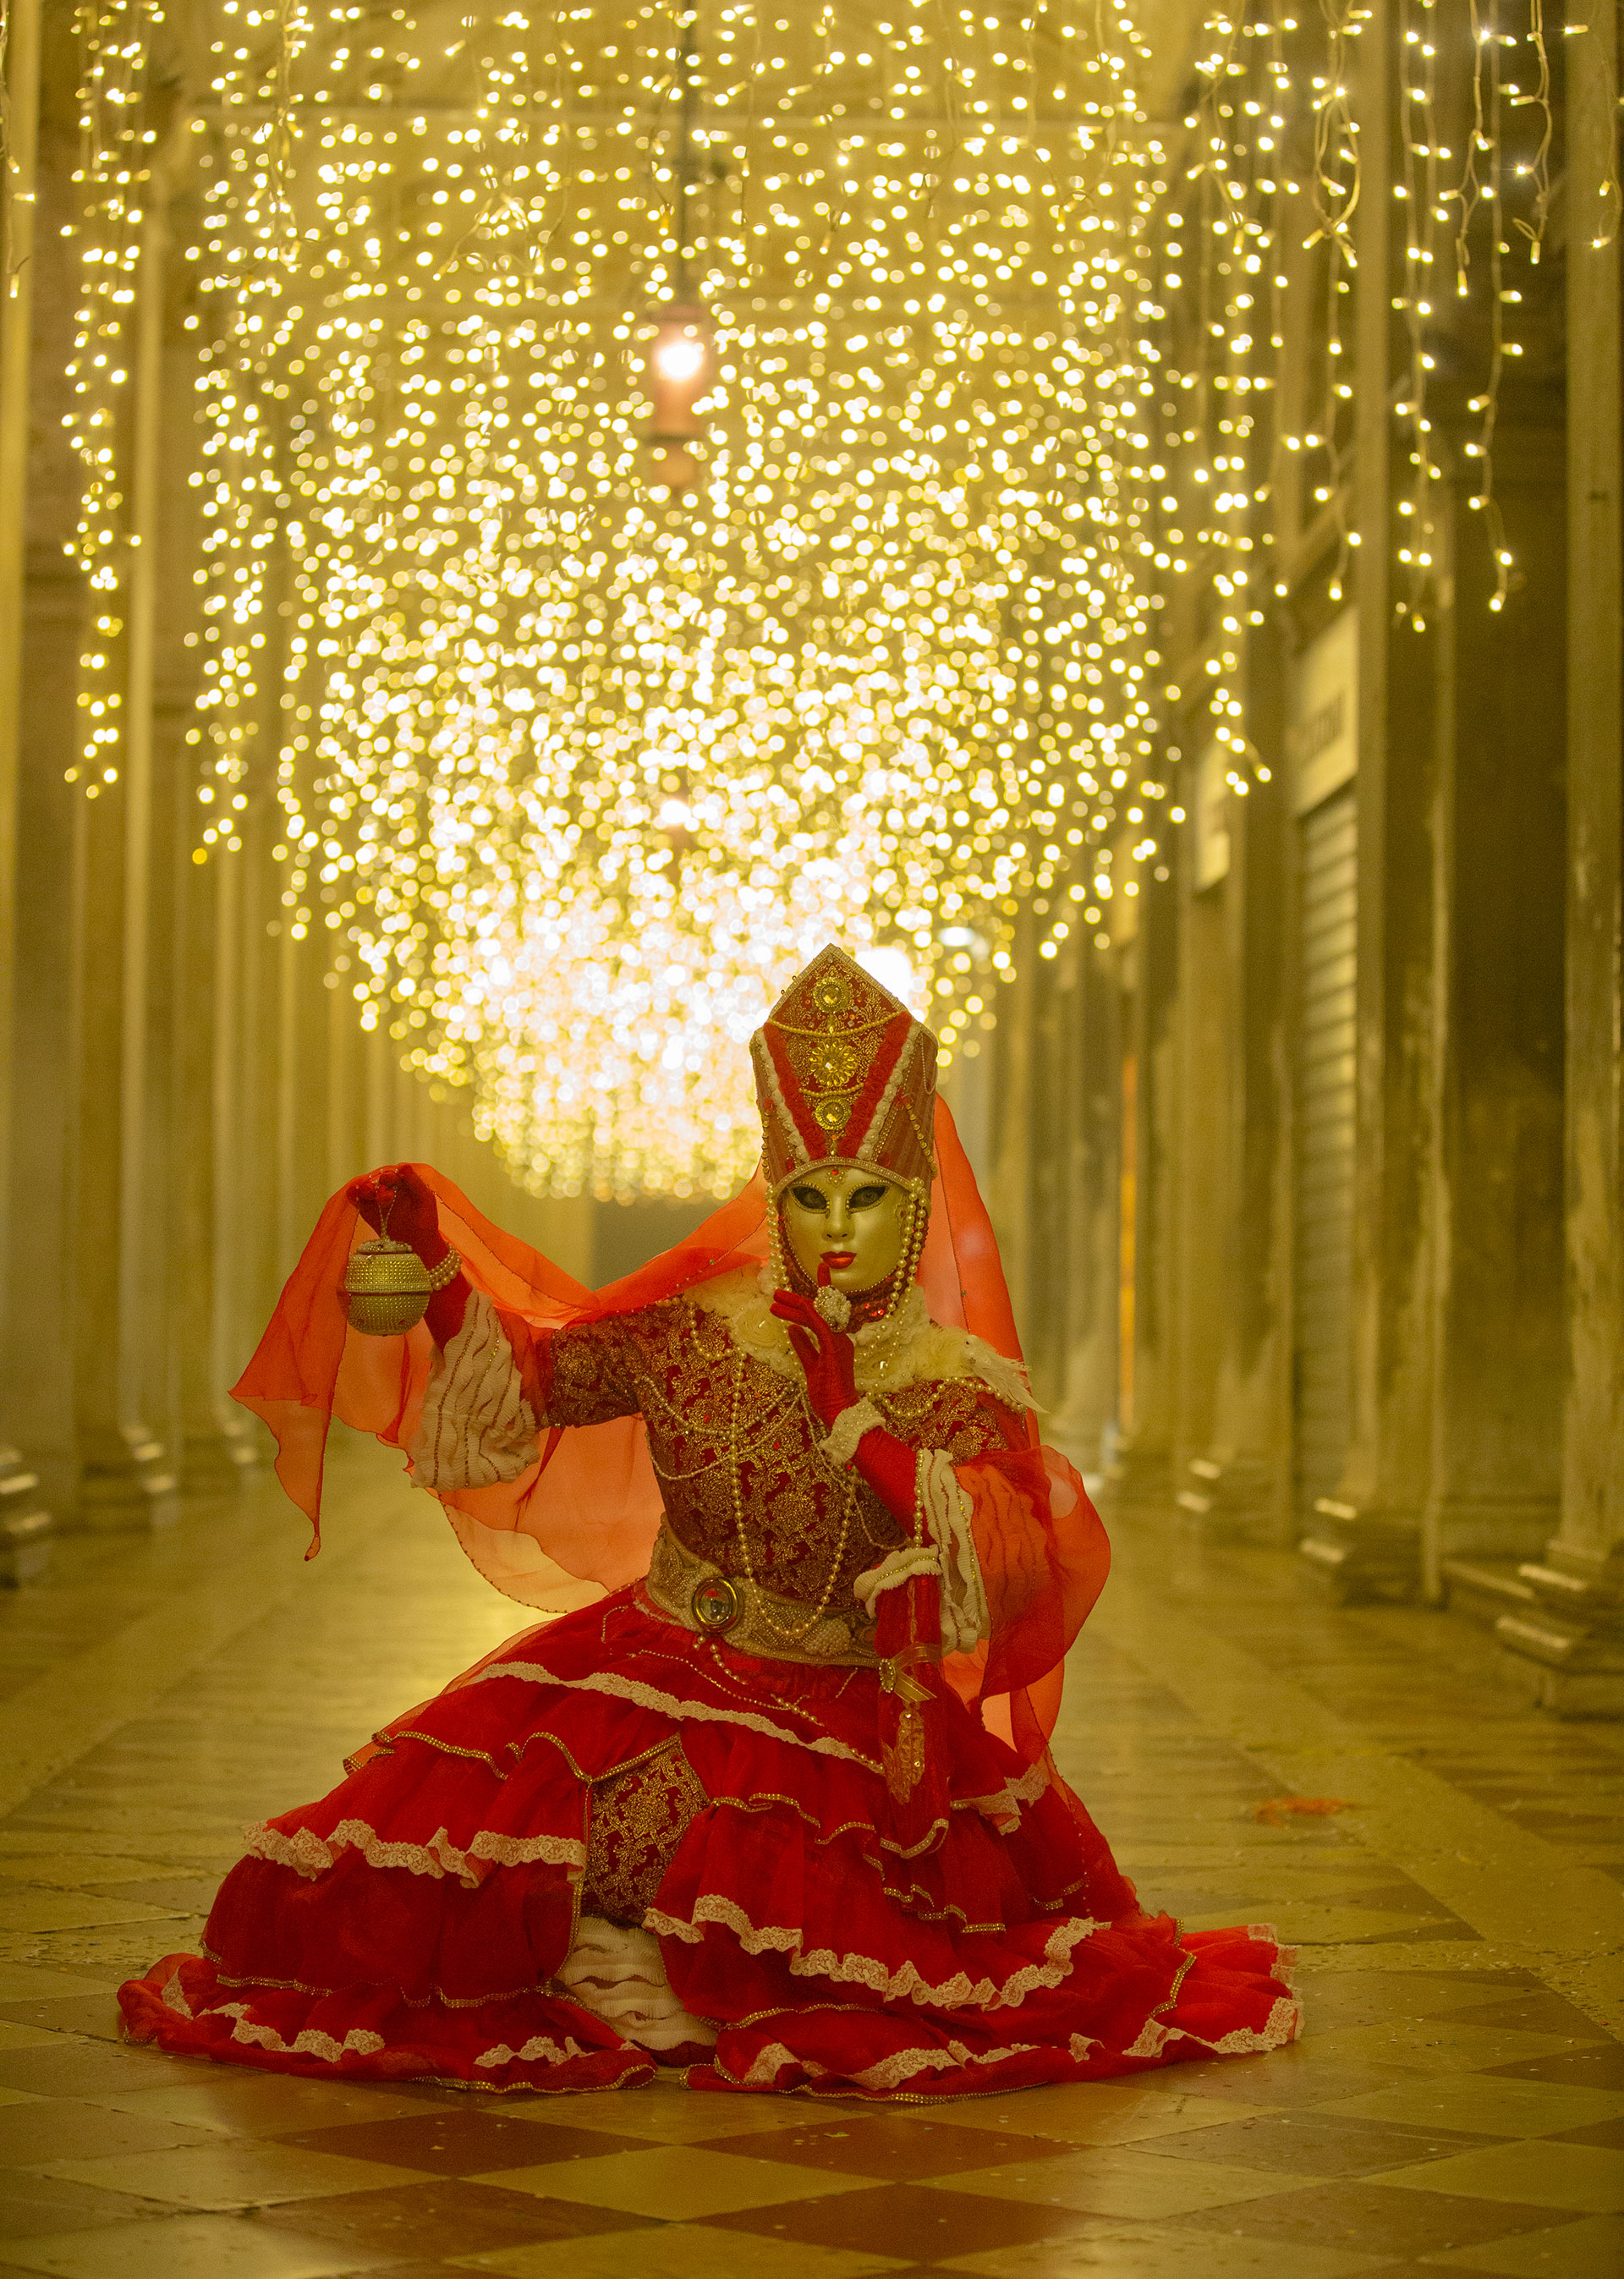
(25, 1521)
(1366, 1537)
(1093, 1177)
(146, 1358)
(238, 1202)
(1010, 1137)
(1567, 1641)
(249, 1093)
(1242, 1476)
(1203, 1031)
(1049, 1203)
(346, 1102)
(1500, 859)
(1144, 937)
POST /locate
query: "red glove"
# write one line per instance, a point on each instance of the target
(399, 1193)
(829, 1360)
(827, 1355)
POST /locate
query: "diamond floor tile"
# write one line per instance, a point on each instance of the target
(59, 2129)
(31, 2204)
(1116, 2249)
(1487, 2104)
(1316, 2143)
(680, 2251)
(1371, 2216)
(191, 2247)
(242, 2173)
(913, 2223)
(1592, 2248)
(1124, 2181)
(446, 2219)
(1545, 2173)
(668, 2182)
(908, 2151)
(458, 2142)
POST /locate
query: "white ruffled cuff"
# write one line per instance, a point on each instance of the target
(895, 1568)
(966, 1620)
(948, 1553)
(476, 1427)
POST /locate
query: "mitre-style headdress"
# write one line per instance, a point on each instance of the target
(845, 1075)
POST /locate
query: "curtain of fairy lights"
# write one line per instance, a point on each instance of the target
(576, 773)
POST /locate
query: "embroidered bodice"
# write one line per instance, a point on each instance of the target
(732, 1438)
(734, 1442)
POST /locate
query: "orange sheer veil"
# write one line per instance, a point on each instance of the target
(582, 1519)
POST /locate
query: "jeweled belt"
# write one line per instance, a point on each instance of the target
(701, 1598)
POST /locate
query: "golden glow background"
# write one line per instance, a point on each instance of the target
(575, 776)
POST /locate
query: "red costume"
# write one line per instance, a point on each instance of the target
(772, 1799)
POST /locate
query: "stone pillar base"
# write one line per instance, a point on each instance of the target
(1228, 1494)
(128, 1482)
(1483, 1590)
(1361, 1555)
(26, 1527)
(220, 1461)
(1566, 1647)
(1138, 1475)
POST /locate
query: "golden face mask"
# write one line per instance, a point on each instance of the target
(857, 1223)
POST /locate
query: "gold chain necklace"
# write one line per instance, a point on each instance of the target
(785, 1638)
(760, 1424)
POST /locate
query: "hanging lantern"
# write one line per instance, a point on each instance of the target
(679, 373)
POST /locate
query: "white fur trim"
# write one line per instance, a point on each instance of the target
(1004, 1378)
(895, 1568)
(476, 1427)
(848, 1428)
(909, 1349)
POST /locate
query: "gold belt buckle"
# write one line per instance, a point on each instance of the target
(716, 1604)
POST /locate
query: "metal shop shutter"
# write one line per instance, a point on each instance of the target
(1321, 1340)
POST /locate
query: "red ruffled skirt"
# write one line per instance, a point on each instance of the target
(411, 1924)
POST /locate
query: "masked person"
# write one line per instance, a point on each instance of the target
(771, 1799)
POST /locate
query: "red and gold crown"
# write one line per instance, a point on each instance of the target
(844, 1074)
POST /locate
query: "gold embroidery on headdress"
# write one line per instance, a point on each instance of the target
(834, 1035)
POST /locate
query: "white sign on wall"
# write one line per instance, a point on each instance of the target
(1323, 737)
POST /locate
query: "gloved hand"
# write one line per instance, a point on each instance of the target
(398, 1192)
(827, 1355)
(830, 1360)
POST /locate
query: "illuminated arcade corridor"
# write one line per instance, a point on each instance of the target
(518, 525)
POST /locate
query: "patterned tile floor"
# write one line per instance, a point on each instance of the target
(1457, 2104)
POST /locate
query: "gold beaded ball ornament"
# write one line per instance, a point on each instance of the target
(846, 1076)
(387, 1287)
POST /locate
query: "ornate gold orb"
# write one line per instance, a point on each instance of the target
(388, 1286)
